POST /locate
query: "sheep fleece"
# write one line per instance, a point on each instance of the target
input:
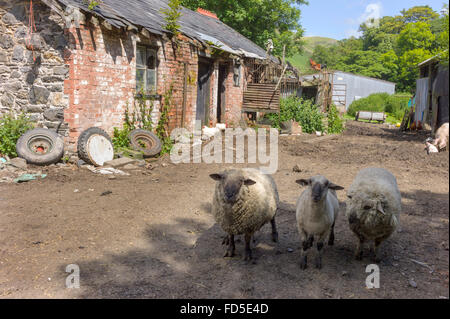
(373, 185)
(256, 205)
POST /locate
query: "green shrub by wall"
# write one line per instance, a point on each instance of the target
(381, 102)
(305, 112)
(11, 128)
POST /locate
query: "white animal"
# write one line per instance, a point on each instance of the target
(244, 200)
(373, 207)
(441, 140)
(317, 211)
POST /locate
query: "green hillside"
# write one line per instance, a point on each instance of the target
(301, 61)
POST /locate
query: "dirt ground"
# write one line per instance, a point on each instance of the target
(154, 236)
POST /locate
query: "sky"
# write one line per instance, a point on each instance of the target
(340, 19)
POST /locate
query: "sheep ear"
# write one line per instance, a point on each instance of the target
(380, 208)
(335, 187)
(303, 182)
(249, 182)
(216, 177)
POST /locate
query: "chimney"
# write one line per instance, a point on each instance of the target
(207, 13)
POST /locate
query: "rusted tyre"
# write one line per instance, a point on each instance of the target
(95, 146)
(40, 146)
(146, 142)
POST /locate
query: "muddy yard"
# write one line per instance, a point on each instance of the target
(153, 236)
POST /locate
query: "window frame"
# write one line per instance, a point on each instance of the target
(147, 48)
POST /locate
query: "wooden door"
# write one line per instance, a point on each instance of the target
(203, 92)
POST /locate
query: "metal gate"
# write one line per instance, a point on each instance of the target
(339, 95)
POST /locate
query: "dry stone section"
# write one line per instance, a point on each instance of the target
(32, 67)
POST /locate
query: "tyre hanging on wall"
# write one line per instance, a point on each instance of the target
(146, 142)
(95, 146)
(40, 146)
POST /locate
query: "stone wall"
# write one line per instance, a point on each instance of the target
(32, 68)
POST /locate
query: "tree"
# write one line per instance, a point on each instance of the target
(390, 61)
(416, 35)
(366, 63)
(375, 39)
(419, 13)
(443, 37)
(260, 20)
(409, 71)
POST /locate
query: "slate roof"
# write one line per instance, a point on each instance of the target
(147, 14)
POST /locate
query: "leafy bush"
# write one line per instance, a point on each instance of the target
(11, 128)
(305, 112)
(335, 122)
(139, 118)
(120, 137)
(396, 105)
(381, 102)
(309, 117)
(374, 103)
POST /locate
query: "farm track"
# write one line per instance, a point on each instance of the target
(154, 236)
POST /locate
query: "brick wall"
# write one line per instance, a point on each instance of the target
(171, 74)
(101, 80)
(234, 96)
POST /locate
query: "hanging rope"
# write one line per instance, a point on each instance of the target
(31, 28)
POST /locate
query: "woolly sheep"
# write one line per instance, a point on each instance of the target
(244, 200)
(373, 207)
(441, 140)
(317, 211)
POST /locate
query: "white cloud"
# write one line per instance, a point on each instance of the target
(372, 12)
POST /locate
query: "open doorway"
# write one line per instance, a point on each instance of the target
(223, 73)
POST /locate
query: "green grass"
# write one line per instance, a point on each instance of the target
(301, 61)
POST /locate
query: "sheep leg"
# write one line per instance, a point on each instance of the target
(231, 246)
(319, 254)
(248, 251)
(307, 243)
(376, 248)
(359, 246)
(331, 239)
(274, 231)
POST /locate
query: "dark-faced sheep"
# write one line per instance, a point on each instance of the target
(244, 200)
(317, 211)
(373, 207)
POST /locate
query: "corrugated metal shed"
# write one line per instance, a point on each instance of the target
(147, 14)
(358, 86)
(348, 87)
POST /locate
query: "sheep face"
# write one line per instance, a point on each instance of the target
(319, 187)
(231, 184)
(365, 208)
